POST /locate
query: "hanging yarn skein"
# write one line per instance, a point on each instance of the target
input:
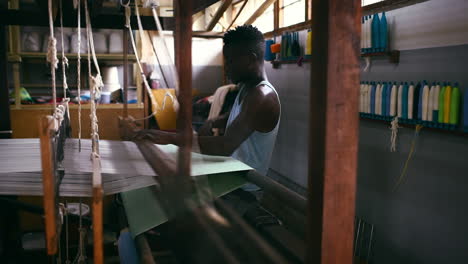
(52, 53)
(64, 58)
(393, 138)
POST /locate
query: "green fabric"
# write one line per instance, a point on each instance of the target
(206, 164)
(144, 211)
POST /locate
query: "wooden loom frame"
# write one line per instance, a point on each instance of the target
(332, 159)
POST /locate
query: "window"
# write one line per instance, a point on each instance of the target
(369, 2)
(293, 12)
(265, 23)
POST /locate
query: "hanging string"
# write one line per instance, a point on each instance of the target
(78, 63)
(167, 94)
(64, 59)
(160, 34)
(393, 138)
(52, 54)
(61, 213)
(145, 81)
(95, 86)
(154, 4)
(81, 255)
(410, 155)
(67, 255)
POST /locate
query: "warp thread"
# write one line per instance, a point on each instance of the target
(394, 136)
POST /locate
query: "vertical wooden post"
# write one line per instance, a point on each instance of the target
(276, 16)
(48, 183)
(98, 221)
(5, 124)
(333, 130)
(183, 57)
(125, 72)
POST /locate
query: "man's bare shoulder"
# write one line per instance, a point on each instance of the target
(264, 104)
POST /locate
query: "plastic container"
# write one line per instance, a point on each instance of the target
(31, 41)
(116, 42)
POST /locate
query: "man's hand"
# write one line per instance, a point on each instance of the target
(156, 136)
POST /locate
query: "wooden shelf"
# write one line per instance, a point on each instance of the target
(299, 61)
(75, 106)
(441, 128)
(393, 56)
(388, 5)
(45, 85)
(41, 55)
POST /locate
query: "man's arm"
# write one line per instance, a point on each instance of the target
(219, 123)
(260, 112)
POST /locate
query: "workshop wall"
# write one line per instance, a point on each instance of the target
(207, 64)
(424, 220)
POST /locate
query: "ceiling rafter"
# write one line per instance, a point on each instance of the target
(260, 10)
(219, 13)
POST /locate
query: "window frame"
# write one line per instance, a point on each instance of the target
(278, 18)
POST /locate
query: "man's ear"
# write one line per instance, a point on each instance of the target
(253, 56)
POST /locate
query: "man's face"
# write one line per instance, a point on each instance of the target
(237, 63)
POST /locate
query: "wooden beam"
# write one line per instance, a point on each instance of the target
(107, 21)
(276, 16)
(238, 14)
(308, 10)
(292, 199)
(199, 5)
(125, 72)
(46, 125)
(297, 27)
(207, 34)
(219, 13)
(333, 138)
(183, 51)
(388, 5)
(198, 15)
(259, 11)
(5, 123)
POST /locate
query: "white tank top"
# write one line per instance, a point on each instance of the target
(257, 149)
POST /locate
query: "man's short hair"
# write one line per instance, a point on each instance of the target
(246, 37)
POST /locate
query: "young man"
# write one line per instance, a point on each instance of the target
(253, 123)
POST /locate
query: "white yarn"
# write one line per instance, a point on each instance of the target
(64, 59)
(368, 64)
(166, 49)
(95, 85)
(393, 138)
(145, 82)
(167, 94)
(78, 65)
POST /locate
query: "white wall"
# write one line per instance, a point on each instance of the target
(435, 23)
